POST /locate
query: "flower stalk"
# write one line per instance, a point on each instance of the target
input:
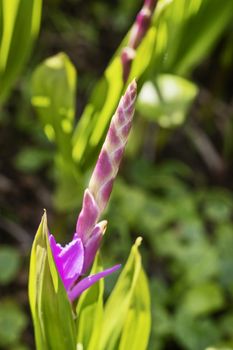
(74, 260)
(138, 32)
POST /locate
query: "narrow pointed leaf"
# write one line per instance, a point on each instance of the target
(137, 325)
(96, 116)
(98, 112)
(20, 22)
(90, 312)
(51, 310)
(127, 306)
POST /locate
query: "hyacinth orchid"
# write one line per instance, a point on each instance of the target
(74, 260)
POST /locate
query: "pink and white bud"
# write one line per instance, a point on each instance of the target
(97, 194)
(74, 259)
(88, 216)
(112, 151)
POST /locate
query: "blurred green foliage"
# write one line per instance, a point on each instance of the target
(190, 258)
(12, 323)
(183, 209)
(166, 100)
(167, 97)
(19, 26)
(56, 109)
(13, 320)
(9, 264)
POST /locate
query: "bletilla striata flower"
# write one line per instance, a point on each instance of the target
(74, 260)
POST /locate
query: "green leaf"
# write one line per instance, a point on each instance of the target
(99, 110)
(127, 312)
(143, 55)
(106, 94)
(70, 183)
(32, 159)
(195, 334)
(53, 96)
(21, 22)
(218, 206)
(186, 32)
(51, 310)
(166, 100)
(224, 242)
(90, 312)
(203, 299)
(9, 264)
(207, 19)
(137, 325)
(12, 322)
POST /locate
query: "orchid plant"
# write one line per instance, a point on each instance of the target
(75, 259)
(60, 290)
(77, 145)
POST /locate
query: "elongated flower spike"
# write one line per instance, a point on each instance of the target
(74, 260)
(138, 32)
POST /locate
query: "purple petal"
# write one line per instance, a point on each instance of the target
(55, 247)
(87, 282)
(88, 216)
(93, 244)
(69, 260)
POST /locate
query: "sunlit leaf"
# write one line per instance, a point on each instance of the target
(187, 31)
(127, 311)
(51, 310)
(166, 100)
(99, 110)
(90, 312)
(53, 96)
(202, 299)
(137, 325)
(21, 21)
